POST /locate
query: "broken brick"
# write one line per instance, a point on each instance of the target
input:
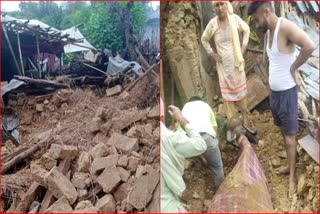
(47, 161)
(84, 162)
(63, 151)
(81, 180)
(109, 179)
(99, 164)
(124, 174)
(85, 206)
(47, 201)
(116, 90)
(100, 138)
(123, 161)
(122, 192)
(64, 166)
(123, 143)
(140, 171)
(133, 163)
(106, 204)
(154, 113)
(95, 124)
(61, 205)
(83, 193)
(99, 150)
(127, 118)
(39, 174)
(60, 185)
(142, 190)
(34, 190)
(39, 107)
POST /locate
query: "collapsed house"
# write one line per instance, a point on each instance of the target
(79, 137)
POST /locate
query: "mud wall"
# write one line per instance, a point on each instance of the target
(187, 70)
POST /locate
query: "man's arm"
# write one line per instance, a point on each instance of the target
(300, 38)
(188, 145)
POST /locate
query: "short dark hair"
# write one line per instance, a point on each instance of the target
(254, 6)
(194, 98)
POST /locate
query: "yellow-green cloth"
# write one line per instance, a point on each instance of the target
(175, 147)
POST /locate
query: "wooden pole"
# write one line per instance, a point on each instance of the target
(10, 47)
(38, 55)
(20, 53)
(97, 69)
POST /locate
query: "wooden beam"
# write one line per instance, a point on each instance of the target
(104, 73)
(20, 54)
(4, 29)
(38, 55)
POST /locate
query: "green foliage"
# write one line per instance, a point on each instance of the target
(102, 21)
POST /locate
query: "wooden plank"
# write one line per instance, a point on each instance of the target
(257, 91)
(311, 146)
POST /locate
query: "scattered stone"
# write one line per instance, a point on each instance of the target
(132, 132)
(282, 154)
(106, 204)
(95, 124)
(60, 185)
(39, 174)
(61, 205)
(276, 162)
(100, 150)
(136, 154)
(116, 90)
(46, 102)
(109, 179)
(47, 161)
(123, 161)
(85, 206)
(39, 107)
(81, 180)
(64, 166)
(100, 138)
(302, 184)
(99, 164)
(140, 171)
(83, 193)
(63, 151)
(122, 192)
(133, 163)
(124, 94)
(84, 162)
(142, 190)
(196, 195)
(123, 143)
(64, 106)
(311, 194)
(124, 174)
(47, 201)
(26, 200)
(51, 108)
(154, 113)
(34, 207)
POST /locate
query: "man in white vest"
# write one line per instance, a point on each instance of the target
(284, 36)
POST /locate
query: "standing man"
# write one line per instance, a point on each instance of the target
(283, 79)
(175, 147)
(202, 117)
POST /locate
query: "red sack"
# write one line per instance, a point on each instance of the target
(245, 188)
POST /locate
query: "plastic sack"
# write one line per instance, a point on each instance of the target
(245, 188)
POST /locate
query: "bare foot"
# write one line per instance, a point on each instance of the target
(283, 170)
(292, 188)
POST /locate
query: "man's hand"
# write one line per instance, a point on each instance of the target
(243, 48)
(176, 114)
(295, 75)
(216, 57)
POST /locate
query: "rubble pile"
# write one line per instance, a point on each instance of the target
(95, 153)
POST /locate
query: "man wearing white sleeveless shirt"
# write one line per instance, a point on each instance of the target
(284, 35)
